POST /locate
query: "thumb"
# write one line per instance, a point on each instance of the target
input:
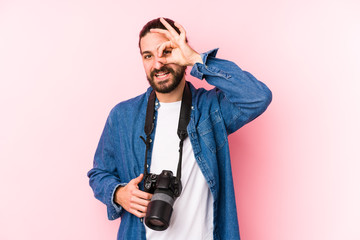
(138, 179)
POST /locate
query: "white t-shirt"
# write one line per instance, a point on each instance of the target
(192, 216)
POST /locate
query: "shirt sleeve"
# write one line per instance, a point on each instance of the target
(103, 177)
(241, 96)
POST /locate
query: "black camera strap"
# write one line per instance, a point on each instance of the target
(184, 119)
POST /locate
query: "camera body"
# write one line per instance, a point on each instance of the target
(164, 181)
(165, 189)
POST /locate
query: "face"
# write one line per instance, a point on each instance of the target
(162, 77)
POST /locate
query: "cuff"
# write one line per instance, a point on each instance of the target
(117, 207)
(211, 53)
(114, 210)
(209, 66)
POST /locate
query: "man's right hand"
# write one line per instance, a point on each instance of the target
(132, 199)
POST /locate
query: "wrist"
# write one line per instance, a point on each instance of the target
(117, 193)
(196, 59)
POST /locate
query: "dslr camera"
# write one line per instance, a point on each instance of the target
(165, 189)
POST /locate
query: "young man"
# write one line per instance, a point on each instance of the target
(205, 208)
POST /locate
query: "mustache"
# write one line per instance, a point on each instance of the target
(162, 69)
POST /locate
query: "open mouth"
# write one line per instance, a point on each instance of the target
(162, 75)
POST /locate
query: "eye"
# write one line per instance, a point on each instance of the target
(147, 56)
(167, 51)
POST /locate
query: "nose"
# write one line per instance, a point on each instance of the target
(159, 62)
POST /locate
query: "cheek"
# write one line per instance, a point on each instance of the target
(176, 68)
(147, 67)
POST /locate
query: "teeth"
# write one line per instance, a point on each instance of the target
(161, 74)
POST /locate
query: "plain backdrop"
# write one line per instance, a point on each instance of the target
(65, 64)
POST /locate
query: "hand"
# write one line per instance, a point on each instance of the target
(181, 53)
(132, 199)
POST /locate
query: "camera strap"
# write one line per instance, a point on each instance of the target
(184, 119)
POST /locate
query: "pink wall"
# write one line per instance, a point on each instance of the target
(65, 64)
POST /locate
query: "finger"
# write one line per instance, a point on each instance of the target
(162, 31)
(139, 201)
(169, 27)
(137, 213)
(138, 179)
(138, 207)
(141, 194)
(162, 47)
(182, 30)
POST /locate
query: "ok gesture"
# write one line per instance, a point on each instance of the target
(181, 53)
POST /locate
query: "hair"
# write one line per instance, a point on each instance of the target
(155, 23)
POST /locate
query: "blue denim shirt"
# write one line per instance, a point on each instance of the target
(237, 99)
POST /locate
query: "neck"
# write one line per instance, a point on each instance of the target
(173, 96)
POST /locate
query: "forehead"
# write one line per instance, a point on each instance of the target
(151, 41)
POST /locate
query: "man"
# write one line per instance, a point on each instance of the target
(206, 206)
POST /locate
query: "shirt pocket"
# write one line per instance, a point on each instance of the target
(212, 131)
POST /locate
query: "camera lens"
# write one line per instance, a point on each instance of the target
(159, 210)
(156, 222)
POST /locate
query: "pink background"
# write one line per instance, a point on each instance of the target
(65, 64)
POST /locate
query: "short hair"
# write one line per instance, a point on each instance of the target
(155, 23)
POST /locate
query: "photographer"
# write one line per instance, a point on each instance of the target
(204, 205)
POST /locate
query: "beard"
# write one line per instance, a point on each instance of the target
(167, 85)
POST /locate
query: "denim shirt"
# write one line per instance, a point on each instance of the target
(238, 98)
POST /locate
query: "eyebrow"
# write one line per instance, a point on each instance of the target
(145, 52)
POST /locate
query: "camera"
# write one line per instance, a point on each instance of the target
(165, 189)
